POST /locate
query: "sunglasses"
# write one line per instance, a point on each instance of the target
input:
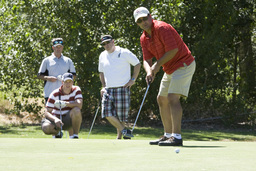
(105, 43)
(142, 19)
(57, 42)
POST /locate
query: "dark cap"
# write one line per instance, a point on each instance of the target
(105, 38)
(67, 76)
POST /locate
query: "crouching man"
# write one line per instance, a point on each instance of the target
(63, 109)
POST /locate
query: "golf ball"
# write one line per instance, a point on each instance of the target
(177, 150)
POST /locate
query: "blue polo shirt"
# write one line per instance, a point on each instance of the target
(53, 66)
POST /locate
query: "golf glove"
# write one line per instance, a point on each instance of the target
(60, 104)
(59, 77)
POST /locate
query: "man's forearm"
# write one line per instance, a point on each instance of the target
(167, 57)
(77, 103)
(136, 71)
(147, 66)
(42, 77)
(49, 116)
(102, 80)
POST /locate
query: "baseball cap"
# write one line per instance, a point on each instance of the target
(57, 41)
(140, 12)
(105, 38)
(67, 76)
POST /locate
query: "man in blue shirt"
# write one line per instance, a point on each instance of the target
(54, 66)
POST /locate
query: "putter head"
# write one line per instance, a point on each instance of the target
(59, 135)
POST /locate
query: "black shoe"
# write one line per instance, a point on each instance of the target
(126, 138)
(127, 133)
(171, 142)
(75, 137)
(59, 135)
(155, 142)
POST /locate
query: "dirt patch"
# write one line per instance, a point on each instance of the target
(12, 119)
(27, 118)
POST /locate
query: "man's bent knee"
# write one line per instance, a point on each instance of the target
(48, 129)
(162, 100)
(174, 98)
(76, 111)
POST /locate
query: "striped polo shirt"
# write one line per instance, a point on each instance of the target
(75, 94)
(163, 39)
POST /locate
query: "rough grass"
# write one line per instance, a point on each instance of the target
(140, 133)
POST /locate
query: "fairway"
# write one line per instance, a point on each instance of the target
(106, 154)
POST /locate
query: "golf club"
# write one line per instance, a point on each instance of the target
(61, 121)
(141, 107)
(94, 119)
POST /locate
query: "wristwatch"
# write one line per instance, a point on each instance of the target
(133, 79)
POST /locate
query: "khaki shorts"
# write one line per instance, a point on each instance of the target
(178, 82)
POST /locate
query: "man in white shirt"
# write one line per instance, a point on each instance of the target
(115, 75)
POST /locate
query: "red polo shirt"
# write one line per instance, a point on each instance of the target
(165, 38)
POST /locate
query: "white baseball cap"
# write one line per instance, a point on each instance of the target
(140, 12)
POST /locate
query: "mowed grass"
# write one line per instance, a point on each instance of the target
(28, 148)
(123, 155)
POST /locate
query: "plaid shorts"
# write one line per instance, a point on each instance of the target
(116, 102)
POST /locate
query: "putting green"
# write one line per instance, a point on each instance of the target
(105, 154)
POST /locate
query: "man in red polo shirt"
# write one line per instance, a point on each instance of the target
(161, 40)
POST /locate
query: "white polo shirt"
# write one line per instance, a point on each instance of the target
(55, 66)
(116, 66)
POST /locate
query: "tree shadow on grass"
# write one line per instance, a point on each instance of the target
(187, 134)
(109, 129)
(20, 129)
(218, 135)
(7, 130)
(144, 132)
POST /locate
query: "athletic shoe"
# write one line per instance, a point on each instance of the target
(59, 135)
(74, 137)
(127, 138)
(155, 142)
(127, 133)
(171, 142)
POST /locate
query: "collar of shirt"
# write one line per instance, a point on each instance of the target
(53, 56)
(62, 92)
(117, 49)
(147, 36)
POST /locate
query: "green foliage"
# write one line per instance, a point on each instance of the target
(215, 32)
(212, 31)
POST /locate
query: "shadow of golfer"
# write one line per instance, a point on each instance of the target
(200, 146)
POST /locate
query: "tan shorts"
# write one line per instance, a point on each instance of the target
(178, 82)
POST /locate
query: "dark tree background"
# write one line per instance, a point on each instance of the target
(220, 34)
